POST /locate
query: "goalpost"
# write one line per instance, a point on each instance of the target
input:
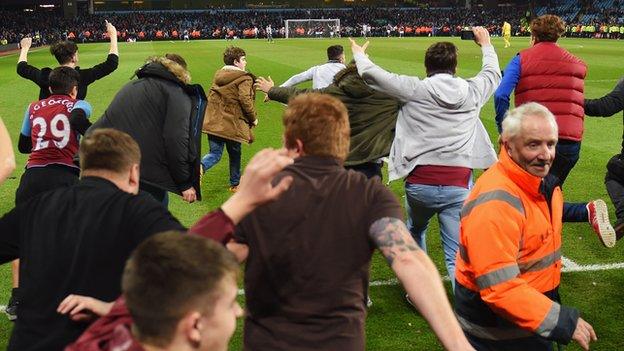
(312, 28)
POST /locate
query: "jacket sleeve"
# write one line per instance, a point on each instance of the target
(29, 72)
(398, 86)
(284, 94)
(511, 77)
(101, 70)
(246, 97)
(492, 244)
(216, 225)
(485, 83)
(176, 136)
(607, 105)
(300, 78)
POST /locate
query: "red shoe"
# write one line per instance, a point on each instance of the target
(599, 220)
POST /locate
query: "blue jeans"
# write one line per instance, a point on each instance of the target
(566, 157)
(424, 201)
(216, 151)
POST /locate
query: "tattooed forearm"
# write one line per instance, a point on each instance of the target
(392, 237)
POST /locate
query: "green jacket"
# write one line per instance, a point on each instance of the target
(372, 114)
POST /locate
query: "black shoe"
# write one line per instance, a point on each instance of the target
(11, 308)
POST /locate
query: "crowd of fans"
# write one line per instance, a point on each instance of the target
(305, 226)
(249, 23)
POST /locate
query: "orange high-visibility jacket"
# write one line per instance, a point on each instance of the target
(509, 259)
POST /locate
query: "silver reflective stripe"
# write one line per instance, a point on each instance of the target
(540, 263)
(498, 276)
(463, 254)
(499, 195)
(550, 322)
(492, 333)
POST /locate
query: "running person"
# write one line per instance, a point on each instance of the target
(50, 135)
(507, 34)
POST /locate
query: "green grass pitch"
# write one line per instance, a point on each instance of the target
(392, 324)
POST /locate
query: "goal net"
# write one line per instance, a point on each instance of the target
(312, 28)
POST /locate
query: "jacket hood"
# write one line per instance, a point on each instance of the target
(350, 82)
(164, 68)
(228, 74)
(447, 90)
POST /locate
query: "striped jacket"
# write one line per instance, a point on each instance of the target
(509, 260)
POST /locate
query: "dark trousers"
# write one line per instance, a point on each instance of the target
(38, 180)
(567, 155)
(216, 151)
(369, 169)
(614, 182)
(161, 195)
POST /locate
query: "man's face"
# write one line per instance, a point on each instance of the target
(533, 148)
(221, 324)
(241, 63)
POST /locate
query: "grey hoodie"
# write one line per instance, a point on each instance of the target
(438, 123)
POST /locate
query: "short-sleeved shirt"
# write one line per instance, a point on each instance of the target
(74, 240)
(307, 272)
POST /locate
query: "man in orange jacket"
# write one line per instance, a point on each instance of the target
(509, 262)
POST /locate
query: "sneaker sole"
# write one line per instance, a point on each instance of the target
(606, 231)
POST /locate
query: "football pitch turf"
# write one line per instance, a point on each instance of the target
(594, 279)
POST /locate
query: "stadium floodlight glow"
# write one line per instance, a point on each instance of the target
(312, 28)
(47, 6)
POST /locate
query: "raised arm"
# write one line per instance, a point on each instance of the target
(420, 279)
(25, 70)
(485, 83)
(107, 67)
(25, 45)
(398, 86)
(112, 36)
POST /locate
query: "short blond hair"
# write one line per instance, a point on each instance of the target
(321, 122)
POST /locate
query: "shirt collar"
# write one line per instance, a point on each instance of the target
(526, 181)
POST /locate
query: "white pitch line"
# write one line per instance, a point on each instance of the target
(568, 263)
(600, 80)
(570, 267)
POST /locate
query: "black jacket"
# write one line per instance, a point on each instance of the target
(607, 105)
(164, 115)
(73, 240)
(87, 76)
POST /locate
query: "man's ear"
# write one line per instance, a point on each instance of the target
(134, 178)
(191, 327)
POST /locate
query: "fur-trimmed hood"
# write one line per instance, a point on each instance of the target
(165, 68)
